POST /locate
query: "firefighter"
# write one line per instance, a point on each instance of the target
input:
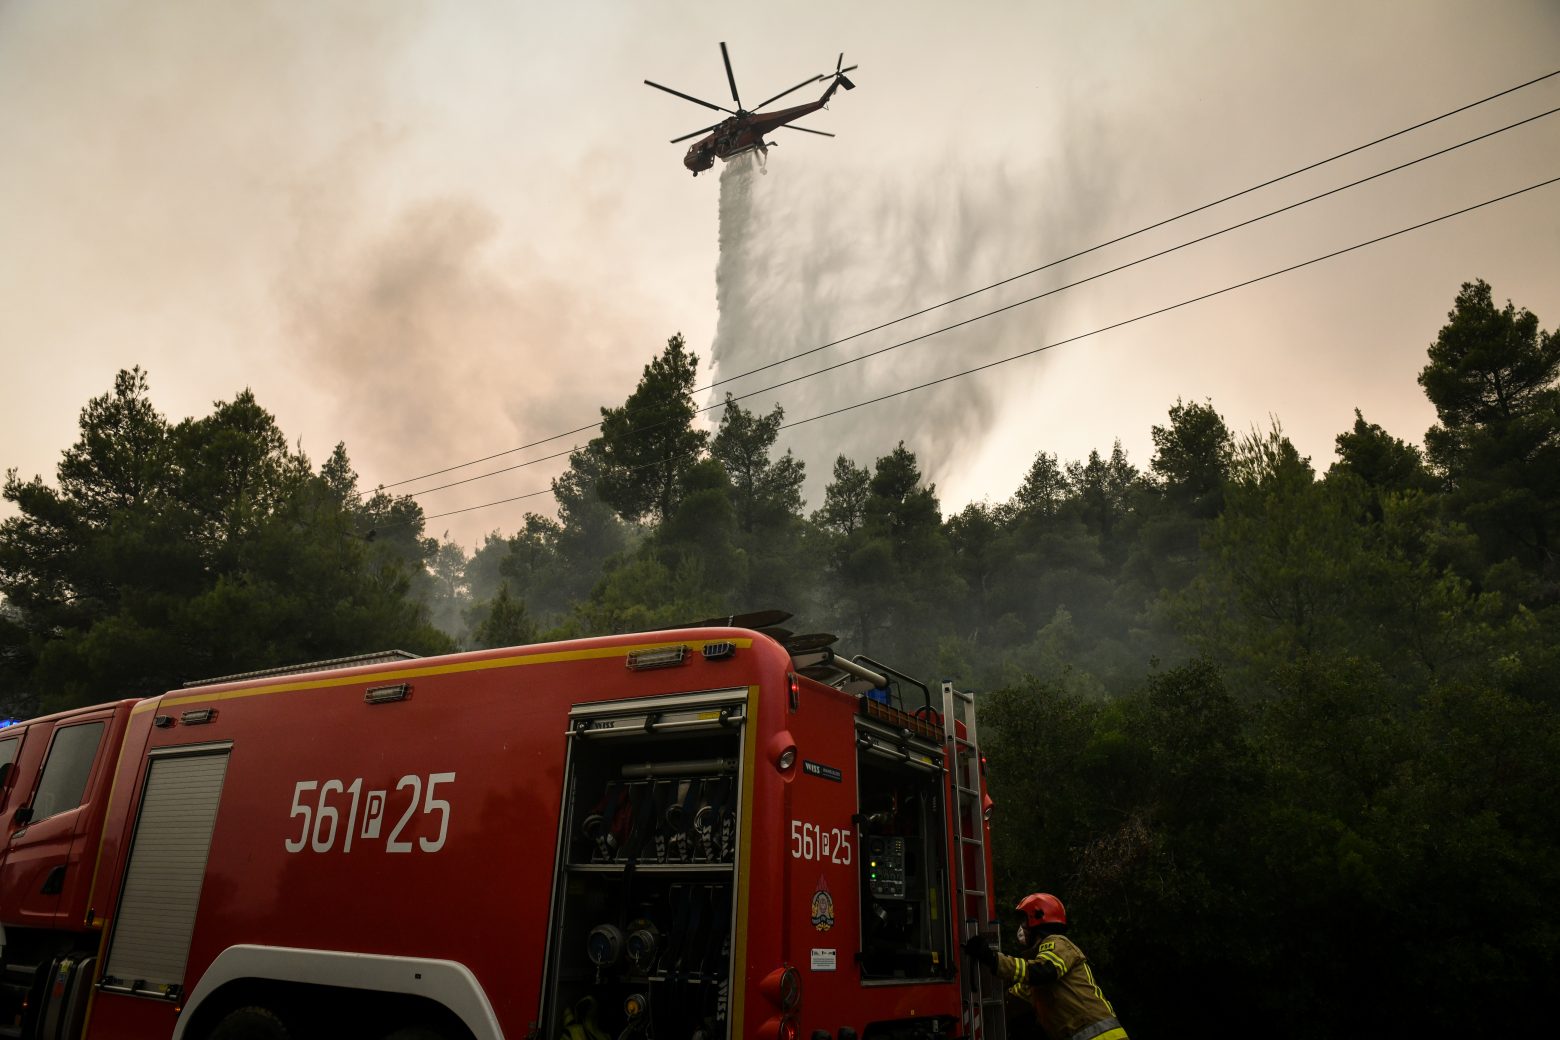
(1052, 973)
(579, 1022)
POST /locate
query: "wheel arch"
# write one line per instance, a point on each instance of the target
(248, 974)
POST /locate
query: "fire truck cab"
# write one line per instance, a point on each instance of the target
(55, 775)
(692, 834)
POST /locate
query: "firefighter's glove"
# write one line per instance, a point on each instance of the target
(980, 951)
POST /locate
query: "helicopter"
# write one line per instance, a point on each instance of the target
(744, 129)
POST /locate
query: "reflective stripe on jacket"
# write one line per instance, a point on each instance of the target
(1104, 1029)
(1069, 1005)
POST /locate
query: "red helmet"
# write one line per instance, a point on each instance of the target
(1041, 908)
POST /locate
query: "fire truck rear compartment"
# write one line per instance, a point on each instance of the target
(904, 886)
(643, 900)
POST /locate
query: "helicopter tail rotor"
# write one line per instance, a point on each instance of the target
(839, 79)
(839, 73)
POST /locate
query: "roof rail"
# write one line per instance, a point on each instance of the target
(381, 657)
(893, 674)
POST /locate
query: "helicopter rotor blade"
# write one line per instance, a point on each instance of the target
(783, 93)
(696, 133)
(730, 77)
(687, 97)
(805, 130)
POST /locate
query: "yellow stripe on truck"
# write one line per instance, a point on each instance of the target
(739, 959)
(174, 700)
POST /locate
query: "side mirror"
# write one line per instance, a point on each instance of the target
(5, 773)
(23, 816)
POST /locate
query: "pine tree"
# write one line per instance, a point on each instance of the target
(1494, 378)
(647, 444)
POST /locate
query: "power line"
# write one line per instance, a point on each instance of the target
(1144, 230)
(1134, 263)
(1018, 303)
(998, 284)
(1176, 306)
(1084, 335)
(507, 469)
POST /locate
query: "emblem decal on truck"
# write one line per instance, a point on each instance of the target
(822, 907)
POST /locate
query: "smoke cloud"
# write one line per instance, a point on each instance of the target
(357, 211)
(807, 258)
(431, 332)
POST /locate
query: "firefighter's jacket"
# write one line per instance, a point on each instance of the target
(1055, 978)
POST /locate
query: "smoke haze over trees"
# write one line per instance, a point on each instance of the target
(1291, 732)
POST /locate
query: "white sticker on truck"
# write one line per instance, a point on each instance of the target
(823, 960)
(322, 829)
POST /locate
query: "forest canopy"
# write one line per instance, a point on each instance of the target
(1294, 731)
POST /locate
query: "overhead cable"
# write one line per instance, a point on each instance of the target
(986, 288)
(1072, 339)
(1015, 304)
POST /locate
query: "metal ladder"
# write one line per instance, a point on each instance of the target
(984, 1015)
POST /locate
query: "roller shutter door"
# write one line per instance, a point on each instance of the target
(167, 865)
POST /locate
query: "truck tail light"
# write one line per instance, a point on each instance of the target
(781, 1027)
(783, 988)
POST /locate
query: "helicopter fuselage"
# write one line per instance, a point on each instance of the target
(745, 129)
(743, 132)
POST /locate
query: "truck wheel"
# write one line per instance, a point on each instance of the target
(251, 1023)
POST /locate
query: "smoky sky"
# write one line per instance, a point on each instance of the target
(278, 197)
(438, 231)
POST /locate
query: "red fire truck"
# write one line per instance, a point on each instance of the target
(693, 834)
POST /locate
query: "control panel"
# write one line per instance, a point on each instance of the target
(886, 867)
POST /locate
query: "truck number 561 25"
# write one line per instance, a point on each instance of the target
(322, 825)
(810, 841)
